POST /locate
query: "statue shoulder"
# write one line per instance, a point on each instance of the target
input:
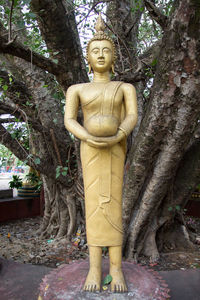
(76, 88)
(123, 85)
(127, 86)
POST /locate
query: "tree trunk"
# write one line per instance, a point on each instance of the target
(166, 130)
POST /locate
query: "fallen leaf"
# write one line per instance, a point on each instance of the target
(107, 279)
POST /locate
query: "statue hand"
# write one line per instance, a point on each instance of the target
(97, 144)
(111, 140)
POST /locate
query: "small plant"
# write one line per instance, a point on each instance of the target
(198, 187)
(34, 180)
(16, 182)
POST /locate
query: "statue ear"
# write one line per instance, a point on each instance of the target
(90, 69)
(113, 69)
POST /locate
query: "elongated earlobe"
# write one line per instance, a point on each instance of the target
(90, 69)
(113, 69)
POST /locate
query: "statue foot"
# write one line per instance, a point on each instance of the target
(118, 284)
(93, 280)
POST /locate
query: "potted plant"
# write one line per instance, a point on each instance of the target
(32, 186)
(16, 182)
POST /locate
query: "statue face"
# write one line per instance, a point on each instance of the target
(100, 56)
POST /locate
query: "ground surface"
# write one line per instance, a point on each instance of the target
(22, 281)
(19, 242)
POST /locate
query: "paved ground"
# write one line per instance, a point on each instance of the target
(183, 285)
(21, 282)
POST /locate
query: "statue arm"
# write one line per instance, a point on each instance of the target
(130, 100)
(70, 119)
(71, 112)
(128, 123)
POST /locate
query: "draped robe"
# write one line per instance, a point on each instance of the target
(103, 170)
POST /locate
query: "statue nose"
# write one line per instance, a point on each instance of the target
(101, 54)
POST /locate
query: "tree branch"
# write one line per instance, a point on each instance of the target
(156, 14)
(92, 8)
(19, 151)
(16, 49)
(12, 144)
(16, 90)
(10, 22)
(16, 97)
(58, 28)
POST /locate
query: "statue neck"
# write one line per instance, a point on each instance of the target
(101, 77)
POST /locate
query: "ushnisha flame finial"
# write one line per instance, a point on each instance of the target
(100, 26)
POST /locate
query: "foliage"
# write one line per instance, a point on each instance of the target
(61, 171)
(32, 178)
(7, 158)
(20, 131)
(16, 182)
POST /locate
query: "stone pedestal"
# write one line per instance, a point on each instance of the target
(66, 282)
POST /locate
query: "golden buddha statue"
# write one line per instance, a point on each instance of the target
(110, 114)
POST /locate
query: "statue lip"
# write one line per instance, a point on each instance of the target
(101, 61)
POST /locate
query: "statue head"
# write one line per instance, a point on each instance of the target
(102, 42)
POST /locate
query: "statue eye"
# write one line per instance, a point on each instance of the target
(95, 51)
(106, 50)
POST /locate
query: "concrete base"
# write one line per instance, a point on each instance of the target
(66, 282)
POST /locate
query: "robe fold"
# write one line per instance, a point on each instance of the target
(103, 179)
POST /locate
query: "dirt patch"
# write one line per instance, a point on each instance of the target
(19, 242)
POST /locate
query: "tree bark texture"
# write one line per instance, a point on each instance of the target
(166, 129)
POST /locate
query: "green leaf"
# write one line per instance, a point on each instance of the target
(21, 23)
(64, 173)
(107, 279)
(15, 3)
(178, 207)
(31, 15)
(154, 62)
(37, 160)
(26, 1)
(57, 175)
(5, 87)
(170, 208)
(55, 60)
